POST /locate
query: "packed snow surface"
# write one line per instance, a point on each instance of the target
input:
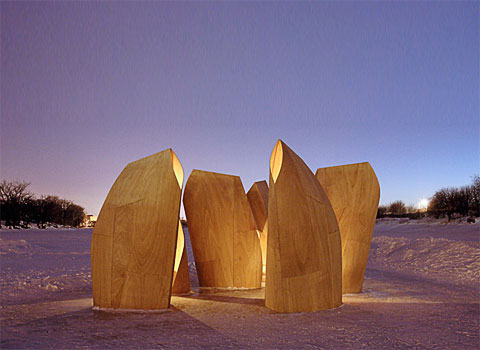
(421, 292)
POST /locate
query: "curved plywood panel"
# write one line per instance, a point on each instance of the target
(133, 243)
(222, 231)
(304, 268)
(354, 192)
(258, 198)
(181, 276)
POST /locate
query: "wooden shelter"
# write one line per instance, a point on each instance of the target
(304, 261)
(222, 231)
(354, 192)
(133, 243)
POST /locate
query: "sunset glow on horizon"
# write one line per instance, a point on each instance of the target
(423, 203)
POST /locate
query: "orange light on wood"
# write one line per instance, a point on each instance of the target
(134, 239)
(222, 231)
(304, 266)
(181, 276)
(258, 198)
(354, 192)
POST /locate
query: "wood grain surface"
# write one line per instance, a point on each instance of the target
(258, 198)
(181, 276)
(354, 192)
(134, 239)
(222, 231)
(304, 266)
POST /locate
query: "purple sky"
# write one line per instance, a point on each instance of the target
(87, 87)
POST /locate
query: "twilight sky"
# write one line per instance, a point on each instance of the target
(87, 87)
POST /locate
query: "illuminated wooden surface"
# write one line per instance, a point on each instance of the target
(354, 192)
(222, 231)
(134, 239)
(181, 276)
(258, 198)
(304, 267)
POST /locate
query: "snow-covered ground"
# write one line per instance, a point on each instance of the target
(422, 291)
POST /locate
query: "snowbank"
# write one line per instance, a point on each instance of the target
(437, 258)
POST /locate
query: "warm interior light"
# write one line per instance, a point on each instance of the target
(276, 160)
(177, 169)
(180, 245)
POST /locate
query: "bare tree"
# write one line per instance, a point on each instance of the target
(14, 196)
(475, 196)
(382, 211)
(397, 208)
(75, 215)
(47, 210)
(463, 201)
(17, 205)
(444, 202)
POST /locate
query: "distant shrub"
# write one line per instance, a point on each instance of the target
(416, 215)
(397, 208)
(381, 212)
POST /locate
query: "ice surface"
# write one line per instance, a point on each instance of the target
(421, 291)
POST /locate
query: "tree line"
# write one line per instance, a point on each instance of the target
(19, 208)
(449, 202)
